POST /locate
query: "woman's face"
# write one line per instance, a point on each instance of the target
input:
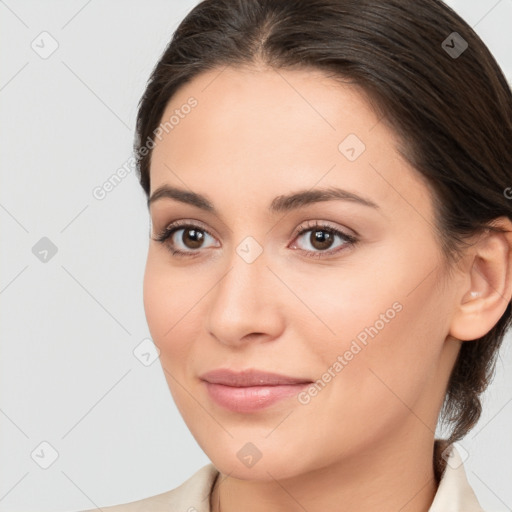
(367, 320)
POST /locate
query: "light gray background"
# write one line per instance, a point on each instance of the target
(68, 374)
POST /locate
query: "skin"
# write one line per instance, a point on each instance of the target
(366, 440)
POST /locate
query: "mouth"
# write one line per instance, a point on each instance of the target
(250, 390)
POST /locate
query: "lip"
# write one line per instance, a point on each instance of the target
(250, 390)
(251, 377)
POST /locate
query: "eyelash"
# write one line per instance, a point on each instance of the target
(169, 231)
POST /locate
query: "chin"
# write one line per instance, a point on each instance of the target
(254, 458)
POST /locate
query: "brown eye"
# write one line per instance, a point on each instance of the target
(321, 240)
(184, 239)
(192, 238)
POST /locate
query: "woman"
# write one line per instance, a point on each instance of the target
(329, 271)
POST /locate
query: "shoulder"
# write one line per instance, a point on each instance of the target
(191, 496)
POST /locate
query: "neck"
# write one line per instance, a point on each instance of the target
(392, 476)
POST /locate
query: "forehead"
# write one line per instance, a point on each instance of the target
(251, 106)
(252, 130)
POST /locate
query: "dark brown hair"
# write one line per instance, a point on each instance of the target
(451, 112)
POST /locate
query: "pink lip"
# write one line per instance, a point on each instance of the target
(250, 390)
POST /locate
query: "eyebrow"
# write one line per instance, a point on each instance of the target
(282, 203)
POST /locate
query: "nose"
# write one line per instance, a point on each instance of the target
(245, 305)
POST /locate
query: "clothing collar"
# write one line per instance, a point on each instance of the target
(454, 493)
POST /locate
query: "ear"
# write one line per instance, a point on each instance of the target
(486, 287)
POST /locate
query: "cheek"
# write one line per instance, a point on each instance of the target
(376, 342)
(364, 391)
(169, 301)
(168, 305)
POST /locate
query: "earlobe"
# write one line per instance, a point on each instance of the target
(487, 289)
